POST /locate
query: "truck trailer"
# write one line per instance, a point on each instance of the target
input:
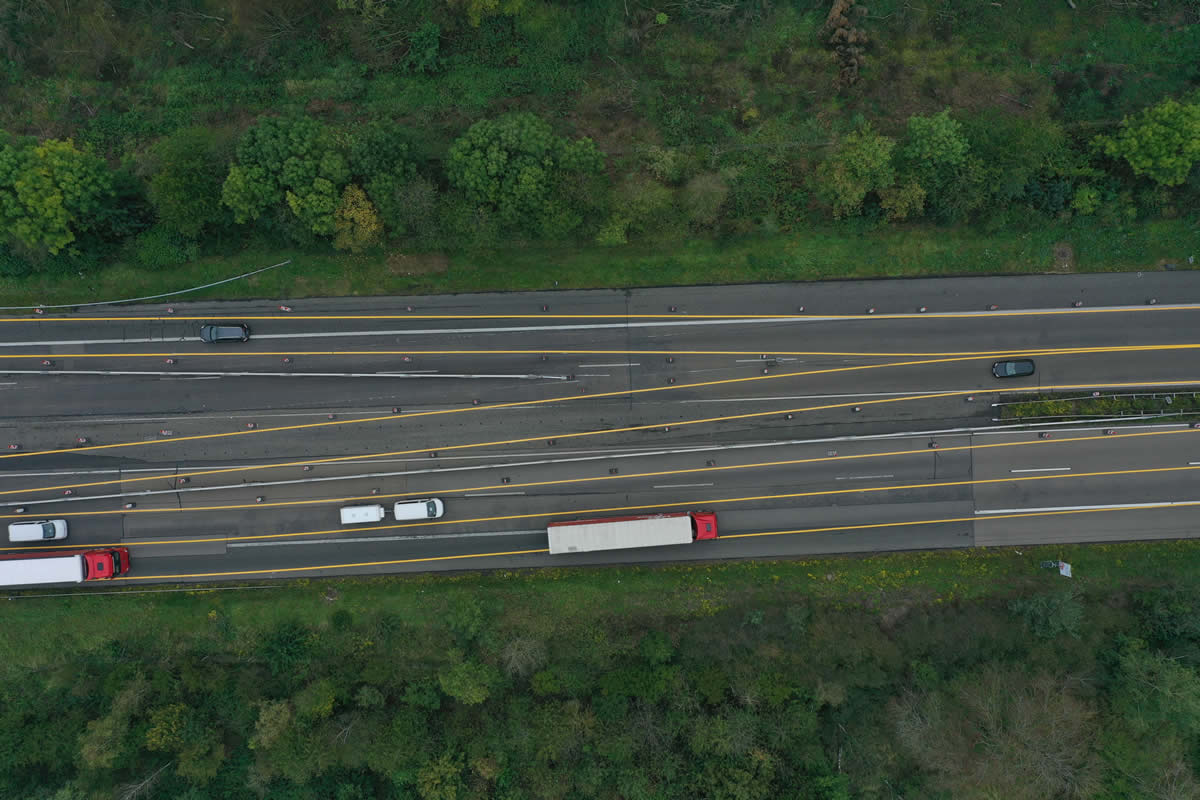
(91, 565)
(618, 533)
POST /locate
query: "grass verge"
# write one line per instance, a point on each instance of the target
(688, 590)
(818, 254)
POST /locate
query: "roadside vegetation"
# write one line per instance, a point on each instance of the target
(428, 144)
(935, 675)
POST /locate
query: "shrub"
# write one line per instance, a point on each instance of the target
(161, 247)
(185, 185)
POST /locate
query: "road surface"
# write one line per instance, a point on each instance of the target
(815, 418)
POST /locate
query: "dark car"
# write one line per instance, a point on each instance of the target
(1019, 368)
(213, 334)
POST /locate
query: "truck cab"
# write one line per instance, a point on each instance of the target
(101, 565)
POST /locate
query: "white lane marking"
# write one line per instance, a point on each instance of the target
(593, 375)
(1164, 503)
(428, 331)
(862, 477)
(492, 494)
(368, 540)
(540, 462)
(1043, 469)
(428, 373)
(589, 366)
(1194, 463)
(829, 396)
(681, 485)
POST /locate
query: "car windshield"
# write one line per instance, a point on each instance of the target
(47, 530)
(431, 508)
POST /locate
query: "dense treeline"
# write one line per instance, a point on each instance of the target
(682, 692)
(155, 130)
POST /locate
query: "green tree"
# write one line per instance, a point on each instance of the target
(1162, 142)
(297, 160)
(469, 682)
(274, 720)
(931, 158)
(167, 727)
(935, 142)
(861, 163)
(185, 186)
(442, 779)
(356, 223)
(50, 193)
(248, 192)
(518, 167)
(902, 201)
(1153, 691)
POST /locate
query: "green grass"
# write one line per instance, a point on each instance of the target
(823, 254)
(693, 590)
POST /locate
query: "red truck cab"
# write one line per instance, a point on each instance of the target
(104, 564)
(704, 523)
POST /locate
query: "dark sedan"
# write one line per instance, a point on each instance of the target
(1019, 368)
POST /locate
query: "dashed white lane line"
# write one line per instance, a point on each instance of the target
(592, 366)
(862, 477)
(1043, 469)
(370, 539)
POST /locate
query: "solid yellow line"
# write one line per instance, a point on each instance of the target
(556, 351)
(576, 435)
(468, 409)
(815, 317)
(830, 529)
(493, 406)
(615, 509)
(664, 473)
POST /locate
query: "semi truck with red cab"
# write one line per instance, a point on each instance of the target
(618, 533)
(88, 565)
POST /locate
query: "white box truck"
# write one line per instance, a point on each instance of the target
(618, 533)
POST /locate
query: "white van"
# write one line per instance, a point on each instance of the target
(356, 515)
(419, 509)
(37, 531)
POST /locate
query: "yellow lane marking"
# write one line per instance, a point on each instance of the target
(614, 509)
(829, 529)
(559, 351)
(575, 435)
(664, 473)
(470, 409)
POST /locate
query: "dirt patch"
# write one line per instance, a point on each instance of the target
(1063, 257)
(417, 264)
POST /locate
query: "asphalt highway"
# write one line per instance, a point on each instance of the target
(813, 418)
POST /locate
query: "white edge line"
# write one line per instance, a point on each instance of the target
(1112, 506)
